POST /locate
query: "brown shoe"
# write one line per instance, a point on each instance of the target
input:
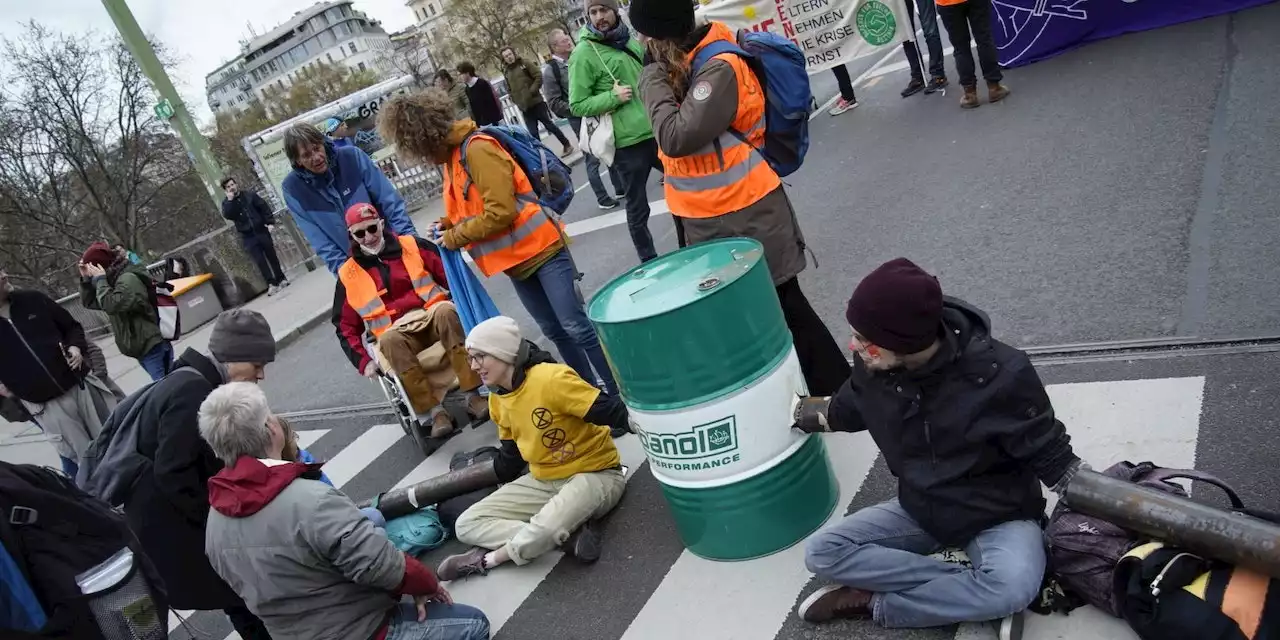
(970, 98)
(835, 602)
(478, 408)
(996, 92)
(462, 565)
(441, 423)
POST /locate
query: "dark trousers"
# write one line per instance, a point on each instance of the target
(592, 164)
(972, 16)
(263, 252)
(540, 113)
(246, 624)
(846, 83)
(932, 40)
(634, 164)
(821, 359)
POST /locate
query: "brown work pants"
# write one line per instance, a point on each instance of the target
(426, 350)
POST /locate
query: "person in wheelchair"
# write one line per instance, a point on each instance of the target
(394, 289)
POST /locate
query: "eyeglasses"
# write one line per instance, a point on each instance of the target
(371, 229)
(474, 359)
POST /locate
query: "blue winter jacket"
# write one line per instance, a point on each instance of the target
(319, 202)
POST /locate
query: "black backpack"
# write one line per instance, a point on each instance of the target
(449, 510)
(54, 532)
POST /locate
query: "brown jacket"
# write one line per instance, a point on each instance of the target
(491, 172)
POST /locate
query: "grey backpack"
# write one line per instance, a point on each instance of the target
(1084, 550)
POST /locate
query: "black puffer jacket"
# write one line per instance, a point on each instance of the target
(970, 436)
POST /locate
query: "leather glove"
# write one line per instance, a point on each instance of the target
(810, 414)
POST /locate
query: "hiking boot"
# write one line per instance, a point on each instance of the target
(915, 86)
(608, 205)
(462, 565)
(996, 92)
(936, 84)
(478, 408)
(441, 423)
(584, 544)
(835, 602)
(843, 106)
(1011, 627)
(970, 98)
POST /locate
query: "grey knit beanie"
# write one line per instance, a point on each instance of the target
(498, 337)
(241, 335)
(610, 4)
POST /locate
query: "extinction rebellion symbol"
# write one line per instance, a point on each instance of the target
(706, 446)
(876, 23)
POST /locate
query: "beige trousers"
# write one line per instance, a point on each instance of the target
(531, 517)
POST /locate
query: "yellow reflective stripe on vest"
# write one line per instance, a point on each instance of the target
(525, 229)
(728, 177)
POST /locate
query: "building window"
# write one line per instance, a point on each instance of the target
(330, 56)
(432, 7)
(353, 48)
(361, 66)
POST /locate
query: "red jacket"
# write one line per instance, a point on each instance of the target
(388, 272)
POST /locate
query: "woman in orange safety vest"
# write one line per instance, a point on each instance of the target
(719, 185)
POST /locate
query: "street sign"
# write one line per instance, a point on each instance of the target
(164, 110)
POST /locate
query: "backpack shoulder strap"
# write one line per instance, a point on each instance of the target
(714, 49)
(1161, 474)
(462, 159)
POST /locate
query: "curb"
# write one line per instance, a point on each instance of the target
(296, 332)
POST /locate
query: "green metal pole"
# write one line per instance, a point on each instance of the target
(181, 121)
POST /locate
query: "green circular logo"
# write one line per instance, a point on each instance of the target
(876, 23)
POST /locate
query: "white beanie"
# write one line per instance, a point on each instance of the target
(498, 336)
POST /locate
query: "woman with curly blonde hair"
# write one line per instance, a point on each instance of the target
(492, 212)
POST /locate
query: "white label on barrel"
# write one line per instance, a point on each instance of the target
(727, 437)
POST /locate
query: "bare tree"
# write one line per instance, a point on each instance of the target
(412, 56)
(480, 29)
(82, 157)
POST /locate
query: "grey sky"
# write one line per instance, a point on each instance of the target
(202, 33)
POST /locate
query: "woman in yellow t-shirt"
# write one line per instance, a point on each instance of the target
(562, 427)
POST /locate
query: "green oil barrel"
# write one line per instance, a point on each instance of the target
(706, 366)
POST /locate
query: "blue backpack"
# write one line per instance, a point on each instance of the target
(551, 177)
(779, 65)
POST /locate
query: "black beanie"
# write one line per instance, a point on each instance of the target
(897, 307)
(662, 19)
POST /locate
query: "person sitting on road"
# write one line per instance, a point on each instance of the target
(308, 563)
(501, 233)
(325, 182)
(124, 291)
(716, 185)
(964, 423)
(548, 417)
(394, 287)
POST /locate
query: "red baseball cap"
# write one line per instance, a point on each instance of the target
(361, 212)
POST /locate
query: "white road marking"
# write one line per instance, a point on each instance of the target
(364, 451)
(308, 438)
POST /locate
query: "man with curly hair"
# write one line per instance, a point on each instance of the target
(502, 234)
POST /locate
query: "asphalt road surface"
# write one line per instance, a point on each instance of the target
(1124, 191)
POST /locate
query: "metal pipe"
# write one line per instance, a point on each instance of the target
(1229, 536)
(401, 502)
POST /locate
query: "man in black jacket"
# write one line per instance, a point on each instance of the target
(485, 107)
(964, 423)
(43, 365)
(167, 501)
(252, 217)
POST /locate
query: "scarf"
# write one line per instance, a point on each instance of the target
(616, 37)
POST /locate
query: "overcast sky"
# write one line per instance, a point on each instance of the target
(203, 33)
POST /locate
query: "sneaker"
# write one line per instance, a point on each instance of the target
(272, 290)
(584, 544)
(1011, 627)
(462, 565)
(996, 92)
(936, 84)
(285, 283)
(970, 98)
(607, 205)
(568, 150)
(915, 86)
(842, 106)
(835, 602)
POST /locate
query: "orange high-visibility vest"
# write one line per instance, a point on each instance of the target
(729, 174)
(364, 296)
(530, 233)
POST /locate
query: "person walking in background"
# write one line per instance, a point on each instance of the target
(486, 109)
(325, 182)
(44, 366)
(555, 88)
(963, 17)
(126, 293)
(457, 94)
(252, 218)
(848, 100)
(524, 81)
(933, 40)
(603, 75)
(727, 190)
(502, 234)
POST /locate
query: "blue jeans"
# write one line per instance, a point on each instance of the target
(881, 549)
(548, 296)
(444, 622)
(157, 361)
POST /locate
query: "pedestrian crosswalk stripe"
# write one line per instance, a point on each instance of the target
(361, 453)
(308, 438)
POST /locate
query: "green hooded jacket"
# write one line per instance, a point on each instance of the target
(127, 301)
(591, 87)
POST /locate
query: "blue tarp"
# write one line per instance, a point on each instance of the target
(473, 302)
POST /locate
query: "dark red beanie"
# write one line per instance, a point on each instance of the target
(99, 253)
(898, 307)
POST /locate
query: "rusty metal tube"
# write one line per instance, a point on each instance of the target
(400, 502)
(1229, 536)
